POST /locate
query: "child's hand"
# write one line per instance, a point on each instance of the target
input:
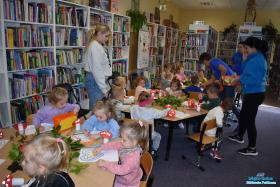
(100, 163)
(86, 132)
(76, 110)
(200, 96)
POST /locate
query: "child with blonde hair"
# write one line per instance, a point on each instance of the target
(58, 99)
(167, 76)
(117, 99)
(45, 158)
(180, 73)
(121, 82)
(144, 111)
(103, 119)
(132, 144)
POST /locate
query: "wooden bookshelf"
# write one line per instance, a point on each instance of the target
(200, 38)
(53, 52)
(226, 46)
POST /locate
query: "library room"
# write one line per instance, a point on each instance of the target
(139, 93)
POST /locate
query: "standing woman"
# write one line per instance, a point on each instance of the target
(253, 81)
(97, 63)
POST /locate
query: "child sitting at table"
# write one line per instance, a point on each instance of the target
(140, 82)
(45, 158)
(212, 99)
(167, 76)
(144, 111)
(218, 114)
(121, 82)
(58, 98)
(103, 119)
(175, 88)
(194, 87)
(180, 73)
(117, 99)
(133, 142)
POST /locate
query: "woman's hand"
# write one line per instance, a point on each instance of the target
(76, 110)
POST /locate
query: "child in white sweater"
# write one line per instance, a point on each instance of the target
(144, 111)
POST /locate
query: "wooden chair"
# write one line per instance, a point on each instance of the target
(131, 92)
(147, 166)
(194, 95)
(202, 140)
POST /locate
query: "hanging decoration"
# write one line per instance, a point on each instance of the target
(251, 11)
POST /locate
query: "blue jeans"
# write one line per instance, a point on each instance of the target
(93, 90)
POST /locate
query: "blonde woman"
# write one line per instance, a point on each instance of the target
(97, 64)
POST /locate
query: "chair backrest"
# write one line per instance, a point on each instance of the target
(194, 95)
(147, 165)
(210, 124)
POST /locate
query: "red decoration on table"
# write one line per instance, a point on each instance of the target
(168, 106)
(106, 134)
(191, 104)
(171, 113)
(1, 134)
(8, 181)
(24, 125)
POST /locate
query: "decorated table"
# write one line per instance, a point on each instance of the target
(91, 175)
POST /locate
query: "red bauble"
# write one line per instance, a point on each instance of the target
(171, 113)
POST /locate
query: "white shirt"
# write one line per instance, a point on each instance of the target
(97, 62)
(146, 113)
(215, 113)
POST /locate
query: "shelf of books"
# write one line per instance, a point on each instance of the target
(167, 48)
(247, 30)
(226, 46)
(161, 34)
(174, 45)
(41, 44)
(182, 47)
(200, 38)
(120, 47)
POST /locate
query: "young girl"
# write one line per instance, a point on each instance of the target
(144, 111)
(167, 76)
(103, 119)
(58, 98)
(175, 88)
(44, 159)
(180, 73)
(121, 82)
(133, 141)
(140, 82)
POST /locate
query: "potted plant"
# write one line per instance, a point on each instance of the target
(230, 29)
(138, 19)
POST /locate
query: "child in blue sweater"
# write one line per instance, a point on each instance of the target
(194, 87)
(103, 119)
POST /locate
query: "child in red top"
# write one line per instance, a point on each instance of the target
(133, 141)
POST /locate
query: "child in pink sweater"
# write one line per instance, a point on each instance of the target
(133, 141)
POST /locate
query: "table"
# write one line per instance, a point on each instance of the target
(91, 176)
(173, 122)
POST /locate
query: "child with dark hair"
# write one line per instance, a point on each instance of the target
(253, 82)
(175, 88)
(218, 114)
(237, 59)
(194, 87)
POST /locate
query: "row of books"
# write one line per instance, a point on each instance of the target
(22, 108)
(100, 18)
(71, 75)
(161, 31)
(71, 37)
(119, 53)
(120, 39)
(28, 36)
(153, 61)
(196, 40)
(70, 16)
(153, 42)
(18, 60)
(100, 4)
(191, 66)
(120, 66)
(193, 53)
(69, 57)
(152, 30)
(153, 51)
(22, 84)
(22, 10)
(121, 24)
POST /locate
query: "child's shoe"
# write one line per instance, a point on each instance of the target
(165, 125)
(215, 154)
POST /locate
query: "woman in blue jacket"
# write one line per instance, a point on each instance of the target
(253, 81)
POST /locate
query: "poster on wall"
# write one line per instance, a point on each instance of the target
(143, 50)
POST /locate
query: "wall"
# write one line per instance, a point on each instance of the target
(220, 19)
